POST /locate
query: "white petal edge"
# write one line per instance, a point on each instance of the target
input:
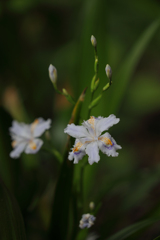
(93, 152)
(20, 129)
(16, 152)
(76, 156)
(76, 131)
(38, 143)
(41, 127)
(105, 123)
(110, 150)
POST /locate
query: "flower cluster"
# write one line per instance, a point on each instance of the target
(25, 136)
(89, 139)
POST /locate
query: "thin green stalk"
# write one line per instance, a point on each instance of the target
(60, 210)
(89, 110)
(54, 152)
(81, 182)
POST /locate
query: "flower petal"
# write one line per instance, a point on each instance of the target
(20, 129)
(40, 126)
(34, 146)
(76, 156)
(16, 152)
(78, 152)
(104, 124)
(108, 147)
(89, 127)
(86, 221)
(76, 131)
(93, 152)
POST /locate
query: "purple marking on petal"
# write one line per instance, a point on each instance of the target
(109, 147)
(76, 153)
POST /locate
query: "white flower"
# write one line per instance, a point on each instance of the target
(25, 136)
(89, 139)
(87, 221)
(52, 73)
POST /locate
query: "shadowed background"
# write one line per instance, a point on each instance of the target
(37, 33)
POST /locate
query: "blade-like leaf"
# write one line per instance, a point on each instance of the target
(157, 238)
(6, 163)
(127, 68)
(126, 232)
(11, 222)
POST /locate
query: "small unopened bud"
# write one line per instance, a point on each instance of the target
(69, 97)
(108, 71)
(91, 205)
(93, 41)
(52, 73)
(65, 92)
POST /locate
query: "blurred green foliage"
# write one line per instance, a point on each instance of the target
(37, 33)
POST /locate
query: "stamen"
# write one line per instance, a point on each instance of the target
(91, 121)
(32, 145)
(106, 140)
(77, 147)
(34, 124)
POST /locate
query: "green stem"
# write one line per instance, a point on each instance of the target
(89, 110)
(61, 203)
(81, 182)
(54, 152)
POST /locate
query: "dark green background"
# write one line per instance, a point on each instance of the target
(34, 34)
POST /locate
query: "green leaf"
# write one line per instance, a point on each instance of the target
(143, 97)
(127, 68)
(126, 232)
(7, 168)
(157, 238)
(11, 221)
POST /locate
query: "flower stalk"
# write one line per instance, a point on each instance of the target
(59, 218)
(53, 77)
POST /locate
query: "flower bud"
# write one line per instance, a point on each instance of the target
(91, 205)
(52, 73)
(108, 71)
(93, 41)
(65, 92)
(69, 97)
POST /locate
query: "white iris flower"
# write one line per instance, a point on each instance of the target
(25, 136)
(87, 221)
(89, 139)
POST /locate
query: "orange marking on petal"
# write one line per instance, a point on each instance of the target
(34, 124)
(106, 140)
(91, 121)
(32, 145)
(14, 143)
(77, 147)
